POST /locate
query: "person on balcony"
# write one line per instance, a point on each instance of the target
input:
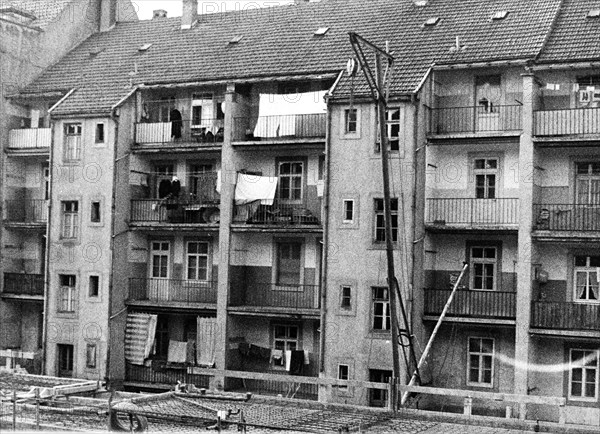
(176, 123)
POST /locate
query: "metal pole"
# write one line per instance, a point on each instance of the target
(392, 287)
(14, 410)
(434, 333)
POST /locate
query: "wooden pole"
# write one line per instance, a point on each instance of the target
(37, 409)
(14, 410)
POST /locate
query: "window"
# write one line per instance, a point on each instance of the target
(160, 259)
(381, 308)
(202, 109)
(587, 184)
(483, 268)
(346, 298)
(285, 337)
(343, 374)
(70, 219)
(321, 31)
(291, 180)
(197, 260)
(67, 293)
(485, 171)
(583, 374)
(95, 212)
(90, 356)
(289, 263)
(380, 220)
(94, 286)
(488, 93)
(65, 360)
(163, 176)
(393, 130)
(480, 366)
(351, 121)
(348, 211)
(72, 142)
(99, 133)
(586, 279)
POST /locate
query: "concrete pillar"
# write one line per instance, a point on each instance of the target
(526, 249)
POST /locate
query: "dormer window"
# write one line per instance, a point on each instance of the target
(144, 47)
(594, 13)
(431, 22)
(321, 31)
(500, 15)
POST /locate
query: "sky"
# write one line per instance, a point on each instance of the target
(173, 7)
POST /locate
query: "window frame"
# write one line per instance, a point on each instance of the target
(285, 341)
(348, 121)
(100, 133)
(590, 177)
(67, 294)
(483, 261)
(69, 220)
(348, 211)
(588, 269)
(90, 278)
(72, 151)
(584, 369)
(91, 349)
(197, 255)
(390, 123)
(386, 320)
(168, 258)
(290, 176)
(96, 214)
(486, 173)
(481, 369)
(381, 213)
(343, 297)
(277, 264)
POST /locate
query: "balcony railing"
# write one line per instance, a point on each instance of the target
(565, 316)
(180, 133)
(23, 284)
(280, 213)
(280, 296)
(463, 120)
(172, 290)
(473, 212)
(576, 121)
(472, 304)
(281, 127)
(567, 217)
(174, 211)
(26, 211)
(30, 138)
(160, 374)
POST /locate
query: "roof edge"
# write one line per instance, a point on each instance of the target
(60, 101)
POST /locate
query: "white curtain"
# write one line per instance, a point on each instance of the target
(206, 340)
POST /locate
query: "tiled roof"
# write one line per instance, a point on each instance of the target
(280, 41)
(45, 11)
(575, 36)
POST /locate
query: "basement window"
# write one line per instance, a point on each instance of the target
(500, 15)
(321, 31)
(594, 13)
(144, 47)
(431, 22)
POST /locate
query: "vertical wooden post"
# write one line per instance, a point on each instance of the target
(468, 406)
(522, 410)
(37, 409)
(14, 410)
(562, 415)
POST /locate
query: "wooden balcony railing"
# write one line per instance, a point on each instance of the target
(23, 284)
(566, 217)
(182, 133)
(280, 213)
(281, 127)
(30, 138)
(26, 211)
(565, 316)
(172, 290)
(462, 120)
(473, 212)
(576, 121)
(472, 304)
(280, 296)
(160, 374)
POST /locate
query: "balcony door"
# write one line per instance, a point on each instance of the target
(587, 196)
(65, 361)
(488, 96)
(160, 270)
(485, 174)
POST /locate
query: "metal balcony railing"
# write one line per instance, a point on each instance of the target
(280, 213)
(566, 217)
(180, 133)
(565, 315)
(280, 296)
(30, 138)
(479, 119)
(23, 284)
(302, 126)
(561, 122)
(172, 290)
(473, 212)
(159, 373)
(174, 212)
(26, 211)
(472, 304)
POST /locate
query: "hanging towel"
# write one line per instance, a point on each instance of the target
(139, 337)
(250, 188)
(306, 357)
(288, 360)
(190, 352)
(177, 352)
(207, 339)
(218, 186)
(297, 362)
(276, 355)
(244, 348)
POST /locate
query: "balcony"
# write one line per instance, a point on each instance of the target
(468, 213)
(477, 121)
(172, 292)
(471, 304)
(31, 212)
(578, 122)
(30, 140)
(187, 134)
(281, 129)
(567, 220)
(162, 213)
(565, 316)
(263, 297)
(162, 376)
(21, 285)
(280, 215)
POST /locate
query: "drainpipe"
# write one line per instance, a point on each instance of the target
(325, 243)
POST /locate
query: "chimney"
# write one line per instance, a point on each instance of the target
(159, 13)
(108, 14)
(421, 3)
(299, 2)
(190, 14)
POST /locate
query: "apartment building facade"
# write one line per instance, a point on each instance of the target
(222, 214)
